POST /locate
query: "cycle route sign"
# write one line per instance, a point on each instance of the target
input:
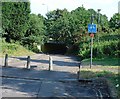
(92, 28)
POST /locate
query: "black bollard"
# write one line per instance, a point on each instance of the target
(6, 60)
(78, 73)
(28, 62)
(50, 63)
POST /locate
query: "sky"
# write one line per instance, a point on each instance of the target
(108, 7)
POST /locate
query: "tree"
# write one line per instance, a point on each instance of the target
(115, 21)
(15, 16)
(71, 27)
(36, 31)
(36, 26)
(58, 25)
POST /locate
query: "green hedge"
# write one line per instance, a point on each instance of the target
(102, 49)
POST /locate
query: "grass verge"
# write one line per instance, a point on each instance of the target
(106, 61)
(13, 49)
(103, 68)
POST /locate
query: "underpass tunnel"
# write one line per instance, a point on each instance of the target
(54, 48)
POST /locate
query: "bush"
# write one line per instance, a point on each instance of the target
(107, 46)
(34, 49)
(13, 49)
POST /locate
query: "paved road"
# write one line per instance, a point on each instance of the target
(39, 82)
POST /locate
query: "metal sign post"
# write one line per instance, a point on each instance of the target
(92, 29)
(92, 35)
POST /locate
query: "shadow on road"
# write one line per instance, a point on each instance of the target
(34, 83)
(61, 62)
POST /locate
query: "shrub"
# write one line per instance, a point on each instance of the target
(105, 47)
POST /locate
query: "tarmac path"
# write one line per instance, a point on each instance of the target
(40, 82)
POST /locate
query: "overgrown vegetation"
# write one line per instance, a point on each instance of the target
(105, 45)
(104, 61)
(19, 25)
(15, 18)
(13, 49)
(60, 25)
(113, 79)
(103, 68)
(63, 26)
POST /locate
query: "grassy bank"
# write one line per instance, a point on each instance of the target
(13, 49)
(103, 68)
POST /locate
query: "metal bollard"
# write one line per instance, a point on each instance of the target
(28, 62)
(6, 60)
(50, 63)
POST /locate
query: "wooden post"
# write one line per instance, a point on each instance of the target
(78, 73)
(6, 60)
(28, 62)
(50, 63)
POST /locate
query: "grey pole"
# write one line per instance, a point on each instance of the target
(28, 62)
(6, 60)
(99, 16)
(91, 52)
(98, 28)
(92, 19)
(50, 63)
(98, 22)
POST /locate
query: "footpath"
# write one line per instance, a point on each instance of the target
(39, 82)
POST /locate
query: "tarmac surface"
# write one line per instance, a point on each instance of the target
(38, 81)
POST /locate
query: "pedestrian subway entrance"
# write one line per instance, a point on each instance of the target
(54, 48)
